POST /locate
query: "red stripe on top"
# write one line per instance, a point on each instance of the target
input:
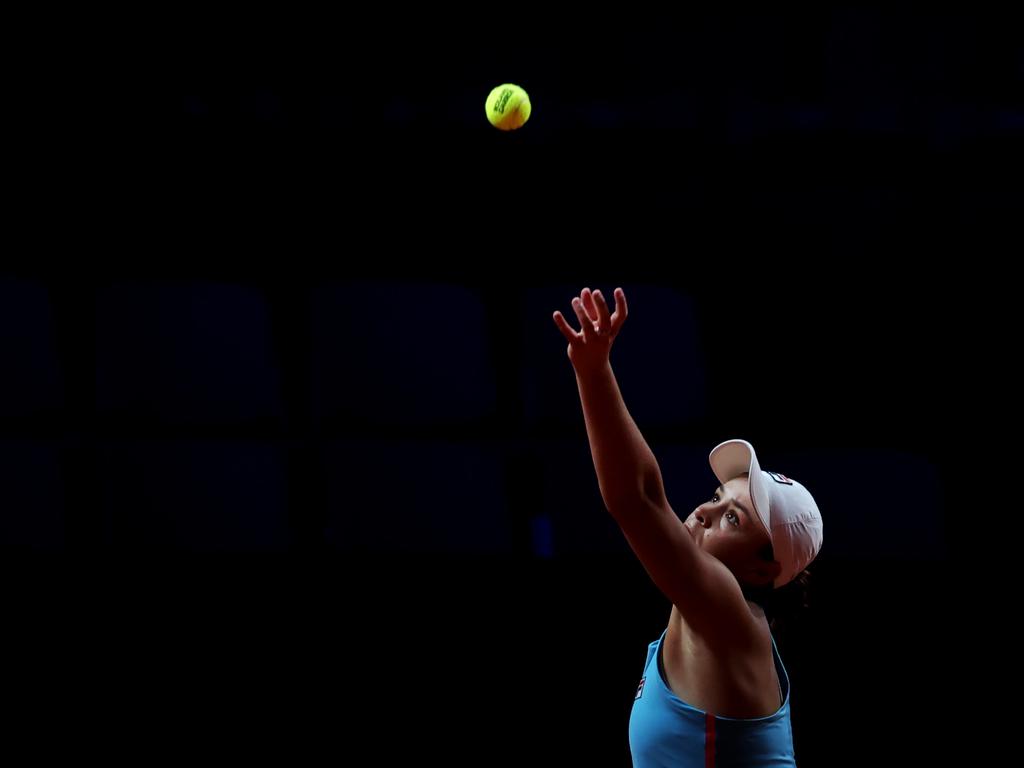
(709, 741)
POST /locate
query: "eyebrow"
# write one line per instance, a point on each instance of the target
(740, 506)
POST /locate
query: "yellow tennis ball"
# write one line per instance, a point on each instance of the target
(508, 107)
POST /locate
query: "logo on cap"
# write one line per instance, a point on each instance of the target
(781, 479)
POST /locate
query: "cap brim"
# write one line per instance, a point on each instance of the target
(733, 458)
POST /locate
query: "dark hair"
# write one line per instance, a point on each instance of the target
(783, 605)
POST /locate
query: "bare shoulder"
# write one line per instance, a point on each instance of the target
(740, 626)
(724, 616)
(700, 586)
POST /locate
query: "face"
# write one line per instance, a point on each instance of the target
(727, 527)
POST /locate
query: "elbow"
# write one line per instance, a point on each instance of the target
(652, 488)
(638, 503)
(642, 492)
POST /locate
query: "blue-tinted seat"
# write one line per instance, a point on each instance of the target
(417, 496)
(32, 497)
(186, 354)
(400, 354)
(30, 383)
(657, 359)
(193, 496)
(882, 504)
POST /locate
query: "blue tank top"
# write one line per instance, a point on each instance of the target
(666, 732)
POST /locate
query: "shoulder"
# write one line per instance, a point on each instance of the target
(738, 627)
(699, 585)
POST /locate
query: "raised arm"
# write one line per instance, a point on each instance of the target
(627, 470)
(700, 586)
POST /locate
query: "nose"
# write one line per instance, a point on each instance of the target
(701, 519)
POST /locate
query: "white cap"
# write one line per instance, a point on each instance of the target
(785, 508)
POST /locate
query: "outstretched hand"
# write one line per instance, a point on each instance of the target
(589, 347)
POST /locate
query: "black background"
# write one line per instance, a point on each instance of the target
(829, 198)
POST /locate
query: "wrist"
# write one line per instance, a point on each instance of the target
(596, 373)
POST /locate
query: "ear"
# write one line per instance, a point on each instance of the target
(763, 573)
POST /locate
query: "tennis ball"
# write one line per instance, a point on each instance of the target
(508, 107)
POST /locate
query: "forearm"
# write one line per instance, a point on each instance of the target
(627, 471)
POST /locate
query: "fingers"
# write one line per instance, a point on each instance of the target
(621, 310)
(586, 324)
(570, 335)
(592, 313)
(588, 304)
(604, 323)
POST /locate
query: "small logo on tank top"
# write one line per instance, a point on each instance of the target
(640, 688)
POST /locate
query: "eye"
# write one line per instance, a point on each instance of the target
(732, 518)
(714, 498)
